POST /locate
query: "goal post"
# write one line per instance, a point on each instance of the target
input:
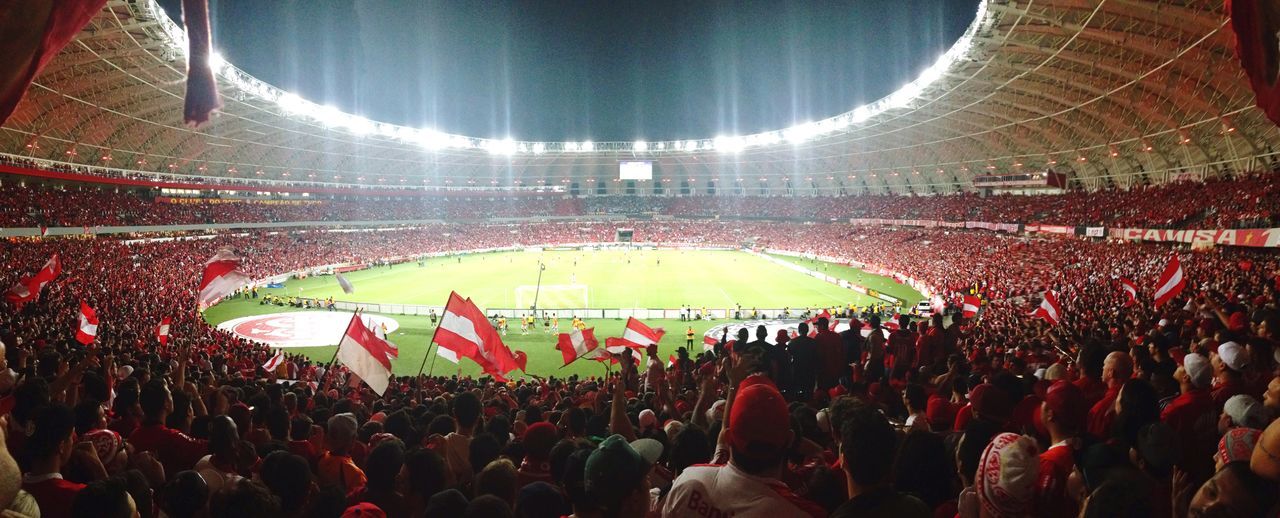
(568, 296)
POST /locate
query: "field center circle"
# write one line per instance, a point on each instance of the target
(301, 328)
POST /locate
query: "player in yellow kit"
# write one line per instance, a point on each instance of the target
(502, 325)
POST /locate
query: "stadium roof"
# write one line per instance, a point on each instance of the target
(1114, 91)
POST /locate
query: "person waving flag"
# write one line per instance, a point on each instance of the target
(87, 326)
(1130, 292)
(1049, 309)
(636, 336)
(1171, 282)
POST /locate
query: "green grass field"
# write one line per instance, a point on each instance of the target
(716, 279)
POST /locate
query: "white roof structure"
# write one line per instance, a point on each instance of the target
(1112, 92)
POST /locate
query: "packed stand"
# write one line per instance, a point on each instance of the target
(1116, 411)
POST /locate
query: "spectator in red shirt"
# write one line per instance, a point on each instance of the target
(902, 343)
(1062, 413)
(176, 450)
(49, 449)
(1116, 370)
(1229, 362)
(1191, 405)
(1090, 362)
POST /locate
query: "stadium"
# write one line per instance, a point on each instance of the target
(1004, 259)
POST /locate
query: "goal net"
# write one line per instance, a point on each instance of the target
(552, 296)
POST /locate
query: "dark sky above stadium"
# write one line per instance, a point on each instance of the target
(577, 70)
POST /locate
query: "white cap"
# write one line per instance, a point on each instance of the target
(1245, 411)
(648, 419)
(1234, 356)
(1197, 368)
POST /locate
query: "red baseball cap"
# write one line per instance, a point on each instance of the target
(758, 421)
(991, 403)
(1067, 403)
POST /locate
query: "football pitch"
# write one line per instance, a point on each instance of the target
(574, 279)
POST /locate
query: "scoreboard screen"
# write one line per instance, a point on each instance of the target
(635, 170)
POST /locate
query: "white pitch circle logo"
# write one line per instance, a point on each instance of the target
(301, 328)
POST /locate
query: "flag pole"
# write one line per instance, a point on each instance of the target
(339, 347)
(429, 344)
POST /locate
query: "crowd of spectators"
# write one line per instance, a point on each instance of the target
(1248, 201)
(1118, 410)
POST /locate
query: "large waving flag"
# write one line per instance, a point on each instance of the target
(467, 333)
(971, 306)
(366, 355)
(28, 288)
(162, 330)
(221, 276)
(1049, 309)
(274, 362)
(87, 325)
(1171, 282)
(1130, 291)
(576, 344)
(637, 335)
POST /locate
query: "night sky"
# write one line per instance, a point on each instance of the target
(578, 70)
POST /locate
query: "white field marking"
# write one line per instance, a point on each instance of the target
(300, 328)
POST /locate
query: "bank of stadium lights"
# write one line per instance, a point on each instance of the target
(294, 105)
(728, 144)
(501, 147)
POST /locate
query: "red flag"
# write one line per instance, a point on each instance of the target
(466, 332)
(1130, 291)
(87, 327)
(825, 314)
(162, 330)
(221, 276)
(709, 343)
(28, 288)
(576, 344)
(35, 31)
(1256, 42)
(366, 355)
(971, 306)
(44, 231)
(1049, 309)
(637, 335)
(274, 362)
(671, 361)
(1171, 282)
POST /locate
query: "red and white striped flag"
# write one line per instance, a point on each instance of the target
(1049, 309)
(636, 335)
(162, 330)
(87, 325)
(221, 276)
(274, 362)
(971, 306)
(44, 231)
(1130, 292)
(1171, 282)
(671, 361)
(28, 288)
(576, 344)
(709, 343)
(366, 355)
(467, 333)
